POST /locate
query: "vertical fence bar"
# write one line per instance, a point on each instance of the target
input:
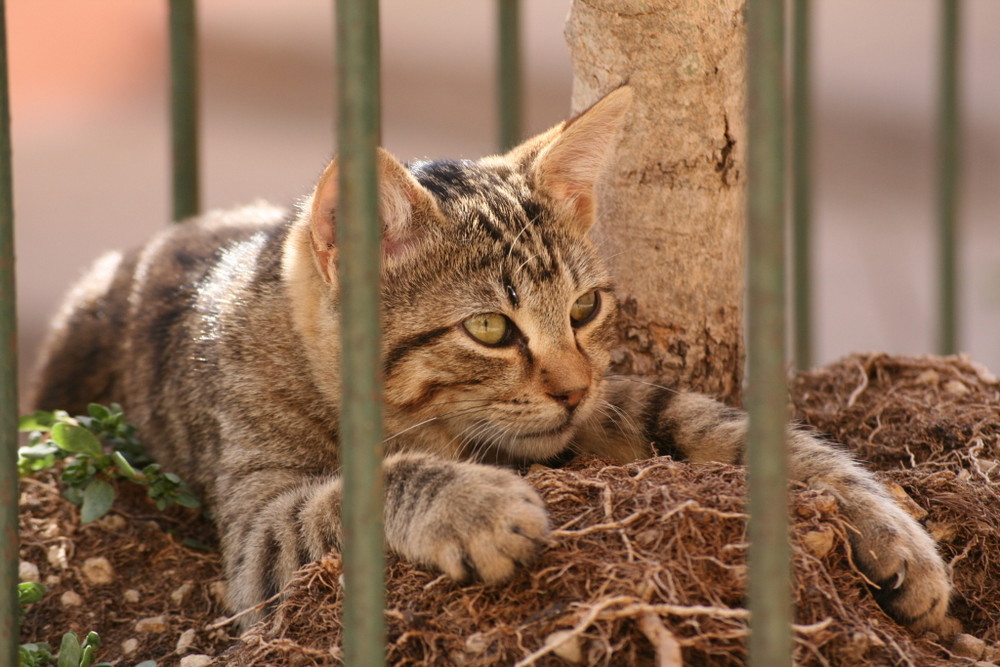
(184, 108)
(947, 176)
(801, 175)
(8, 377)
(769, 557)
(509, 72)
(359, 258)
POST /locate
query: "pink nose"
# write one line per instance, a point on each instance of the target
(569, 399)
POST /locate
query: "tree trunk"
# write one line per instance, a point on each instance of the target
(672, 207)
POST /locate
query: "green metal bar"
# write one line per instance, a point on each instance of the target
(948, 177)
(8, 378)
(509, 72)
(770, 554)
(801, 173)
(184, 108)
(358, 235)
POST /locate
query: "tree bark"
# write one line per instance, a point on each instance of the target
(671, 209)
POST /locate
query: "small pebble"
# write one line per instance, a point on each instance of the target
(28, 571)
(98, 570)
(957, 388)
(476, 643)
(185, 641)
(196, 660)
(129, 646)
(218, 590)
(152, 624)
(968, 646)
(132, 595)
(930, 376)
(112, 522)
(71, 599)
(819, 542)
(180, 594)
(566, 645)
(56, 556)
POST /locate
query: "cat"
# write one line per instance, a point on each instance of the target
(221, 339)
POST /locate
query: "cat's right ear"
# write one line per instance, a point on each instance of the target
(568, 168)
(405, 208)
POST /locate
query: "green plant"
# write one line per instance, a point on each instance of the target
(71, 652)
(55, 436)
(29, 592)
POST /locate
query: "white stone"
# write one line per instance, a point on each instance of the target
(98, 570)
(28, 571)
(71, 599)
(56, 556)
(180, 594)
(185, 641)
(196, 660)
(154, 624)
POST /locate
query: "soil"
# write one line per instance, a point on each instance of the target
(647, 565)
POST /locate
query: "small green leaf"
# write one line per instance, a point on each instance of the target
(187, 499)
(74, 495)
(147, 663)
(124, 467)
(69, 651)
(29, 592)
(98, 411)
(76, 439)
(97, 499)
(87, 656)
(36, 421)
(196, 544)
(92, 639)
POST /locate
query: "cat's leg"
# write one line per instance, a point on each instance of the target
(464, 519)
(890, 547)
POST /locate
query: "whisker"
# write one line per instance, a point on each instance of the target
(638, 381)
(453, 413)
(523, 229)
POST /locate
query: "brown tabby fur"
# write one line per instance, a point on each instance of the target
(221, 339)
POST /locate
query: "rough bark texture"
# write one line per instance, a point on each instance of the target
(672, 209)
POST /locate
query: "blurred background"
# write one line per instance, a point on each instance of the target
(91, 145)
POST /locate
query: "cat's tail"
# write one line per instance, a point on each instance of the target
(78, 362)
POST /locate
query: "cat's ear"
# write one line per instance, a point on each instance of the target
(404, 208)
(567, 169)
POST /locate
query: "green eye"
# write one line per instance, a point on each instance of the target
(488, 328)
(584, 308)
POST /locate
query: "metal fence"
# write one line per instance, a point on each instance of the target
(358, 134)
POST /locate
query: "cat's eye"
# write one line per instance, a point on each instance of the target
(584, 308)
(489, 328)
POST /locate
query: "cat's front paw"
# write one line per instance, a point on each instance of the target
(467, 520)
(911, 580)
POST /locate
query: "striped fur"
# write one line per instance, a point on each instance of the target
(221, 339)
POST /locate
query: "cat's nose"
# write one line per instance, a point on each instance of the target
(569, 399)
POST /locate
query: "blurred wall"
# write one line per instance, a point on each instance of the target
(91, 144)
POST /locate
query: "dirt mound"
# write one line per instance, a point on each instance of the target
(648, 560)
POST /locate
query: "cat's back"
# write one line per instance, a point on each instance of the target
(141, 328)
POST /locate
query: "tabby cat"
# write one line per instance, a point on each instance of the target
(221, 339)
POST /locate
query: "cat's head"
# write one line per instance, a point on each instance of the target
(498, 315)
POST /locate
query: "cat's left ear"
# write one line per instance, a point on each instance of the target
(568, 168)
(405, 209)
